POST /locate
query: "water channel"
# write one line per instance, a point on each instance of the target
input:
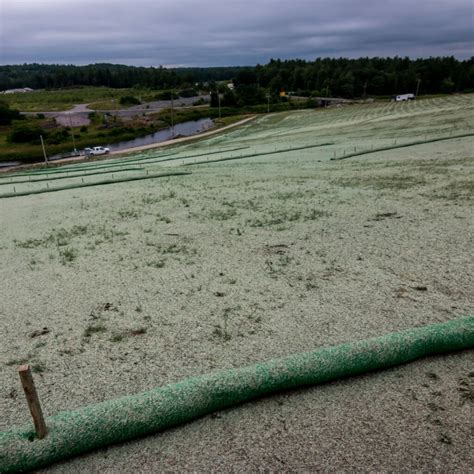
(184, 129)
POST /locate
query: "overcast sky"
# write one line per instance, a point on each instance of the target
(225, 32)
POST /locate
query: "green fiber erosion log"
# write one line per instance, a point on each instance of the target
(88, 428)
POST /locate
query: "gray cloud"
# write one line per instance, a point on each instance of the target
(217, 32)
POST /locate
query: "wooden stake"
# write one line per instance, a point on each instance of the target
(33, 400)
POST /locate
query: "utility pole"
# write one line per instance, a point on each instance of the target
(115, 110)
(172, 114)
(44, 151)
(219, 102)
(72, 134)
(268, 102)
(365, 87)
(417, 88)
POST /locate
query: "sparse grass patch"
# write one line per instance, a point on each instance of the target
(276, 265)
(315, 214)
(117, 338)
(29, 243)
(120, 336)
(222, 331)
(394, 182)
(108, 234)
(169, 195)
(96, 313)
(161, 218)
(128, 214)
(172, 248)
(38, 367)
(275, 218)
(32, 263)
(293, 195)
(35, 364)
(63, 236)
(20, 361)
(462, 190)
(59, 237)
(94, 329)
(282, 217)
(222, 214)
(67, 255)
(311, 282)
(138, 331)
(466, 389)
(156, 264)
(149, 199)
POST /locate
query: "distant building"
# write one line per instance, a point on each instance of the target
(230, 86)
(23, 90)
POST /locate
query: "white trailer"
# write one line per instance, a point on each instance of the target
(403, 97)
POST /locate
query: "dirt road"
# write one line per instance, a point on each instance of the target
(79, 114)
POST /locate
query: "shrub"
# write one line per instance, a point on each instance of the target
(129, 100)
(57, 136)
(165, 95)
(7, 114)
(25, 132)
(118, 131)
(187, 93)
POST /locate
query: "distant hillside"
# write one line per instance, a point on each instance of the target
(336, 77)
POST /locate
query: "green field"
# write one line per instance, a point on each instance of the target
(269, 245)
(64, 99)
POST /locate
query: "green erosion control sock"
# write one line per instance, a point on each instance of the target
(75, 432)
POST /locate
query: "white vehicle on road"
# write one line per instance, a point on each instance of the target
(96, 150)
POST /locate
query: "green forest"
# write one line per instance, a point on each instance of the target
(350, 78)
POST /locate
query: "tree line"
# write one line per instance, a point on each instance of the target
(342, 77)
(351, 78)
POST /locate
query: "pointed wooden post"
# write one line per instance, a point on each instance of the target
(33, 400)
